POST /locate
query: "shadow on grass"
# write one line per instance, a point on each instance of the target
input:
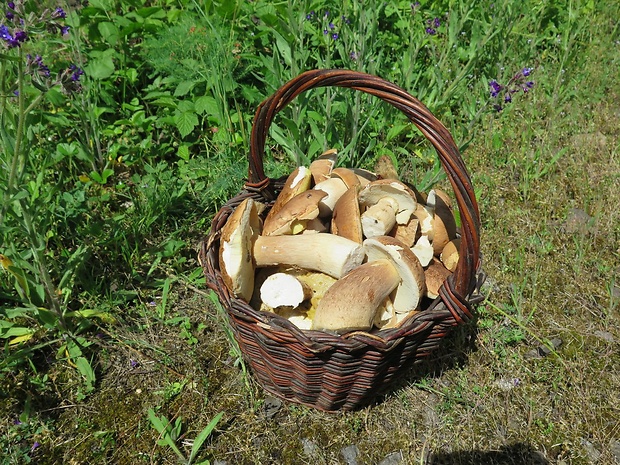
(514, 454)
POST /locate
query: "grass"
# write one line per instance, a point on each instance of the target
(114, 352)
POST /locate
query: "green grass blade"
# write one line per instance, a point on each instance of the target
(203, 435)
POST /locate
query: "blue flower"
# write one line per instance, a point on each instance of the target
(353, 55)
(436, 23)
(59, 13)
(496, 88)
(507, 98)
(526, 71)
(431, 31)
(335, 35)
(64, 30)
(331, 26)
(76, 73)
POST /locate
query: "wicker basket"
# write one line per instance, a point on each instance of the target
(327, 371)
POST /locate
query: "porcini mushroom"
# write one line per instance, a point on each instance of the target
(293, 216)
(346, 220)
(235, 254)
(450, 254)
(322, 167)
(334, 188)
(327, 253)
(380, 217)
(435, 274)
(444, 223)
(423, 249)
(403, 195)
(411, 289)
(298, 181)
(352, 302)
(284, 290)
(347, 176)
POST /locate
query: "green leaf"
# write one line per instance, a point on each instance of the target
(203, 435)
(185, 122)
(183, 88)
(100, 68)
(183, 152)
(206, 104)
(87, 372)
(109, 32)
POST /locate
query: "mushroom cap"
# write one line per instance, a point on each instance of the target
(435, 274)
(346, 220)
(323, 165)
(409, 292)
(352, 302)
(297, 211)
(348, 176)
(404, 196)
(298, 181)
(334, 188)
(444, 223)
(386, 168)
(407, 233)
(236, 245)
(450, 254)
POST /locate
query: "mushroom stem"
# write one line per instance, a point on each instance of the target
(380, 217)
(327, 253)
(352, 302)
(284, 290)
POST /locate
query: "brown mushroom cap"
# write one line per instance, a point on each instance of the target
(444, 223)
(294, 214)
(450, 254)
(411, 289)
(298, 181)
(346, 217)
(348, 176)
(435, 274)
(321, 168)
(352, 302)
(236, 245)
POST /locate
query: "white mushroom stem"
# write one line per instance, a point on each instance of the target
(352, 302)
(423, 250)
(283, 290)
(327, 253)
(334, 188)
(380, 217)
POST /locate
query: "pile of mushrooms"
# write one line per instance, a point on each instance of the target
(341, 249)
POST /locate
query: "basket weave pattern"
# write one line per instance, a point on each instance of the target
(343, 372)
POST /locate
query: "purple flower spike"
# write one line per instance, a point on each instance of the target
(436, 23)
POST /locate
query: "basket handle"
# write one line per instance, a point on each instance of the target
(463, 281)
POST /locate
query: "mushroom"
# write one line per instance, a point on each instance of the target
(347, 176)
(352, 302)
(424, 214)
(293, 216)
(346, 220)
(403, 195)
(380, 217)
(283, 290)
(334, 188)
(327, 253)
(435, 275)
(385, 168)
(450, 254)
(235, 254)
(298, 181)
(321, 168)
(444, 224)
(365, 177)
(407, 233)
(423, 250)
(411, 289)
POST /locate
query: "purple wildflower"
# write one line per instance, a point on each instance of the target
(15, 40)
(345, 19)
(507, 98)
(431, 31)
(35, 446)
(325, 32)
(526, 71)
(64, 30)
(36, 64)
(331, 26)
(495, 88)
(11, 5)
(326, 14)
(436, 23)
(133, 363)
(353, 55)
(5, 34)
(310, 15)
(59, 13)
(335, 35)
(77, 72)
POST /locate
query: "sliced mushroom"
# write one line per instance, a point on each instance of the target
(298, 181)
(424, 214)
(293, 216)
(322, 167)
(235, 254)
(405, 197)
(346, 220)
(408, 233)
(411, 289)
(328, 253)
(352, 302)
(423, 249)
(284, 290)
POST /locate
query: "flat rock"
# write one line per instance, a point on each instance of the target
(542, 350)
(395, 458)
(310, 447)
(577, 221)
(614, 448)
(271, 406)
(593, 453)
(349, 454)
(605, 335)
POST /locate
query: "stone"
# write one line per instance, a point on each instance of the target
(349, 454)
(395, 458)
